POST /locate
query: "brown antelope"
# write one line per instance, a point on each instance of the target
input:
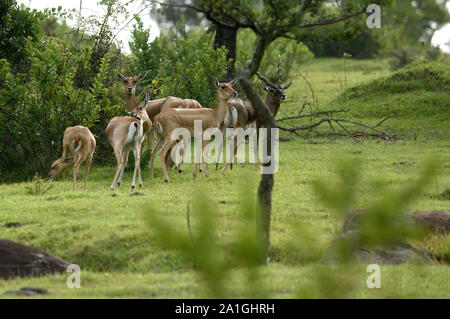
(154, 107)
(81, 143)
(170, 119)
(130, 95)
(242, 114)
(123, 134)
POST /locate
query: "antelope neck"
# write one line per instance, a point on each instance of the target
(272, 104)
(221, 109)
(131, 101)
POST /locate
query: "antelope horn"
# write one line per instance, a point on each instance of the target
(234, 81)
(141, 76)
(279, 70)
(262, 78)
(121, 76)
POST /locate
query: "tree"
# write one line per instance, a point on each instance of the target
(269, 20)
(17, 26)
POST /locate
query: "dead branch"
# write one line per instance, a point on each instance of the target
(299, 115)
(365, 130)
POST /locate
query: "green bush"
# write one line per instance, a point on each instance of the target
(17, 26)
(37, 106)
(178, 66)
(292, 54)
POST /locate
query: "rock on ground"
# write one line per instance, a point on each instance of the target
(18, 260)
(401, 252)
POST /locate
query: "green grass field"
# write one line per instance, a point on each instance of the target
(104, 231)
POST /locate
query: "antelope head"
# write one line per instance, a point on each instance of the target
(58, 166)
(275, 90)
(225, 90)
(140, 113)
(130, 82)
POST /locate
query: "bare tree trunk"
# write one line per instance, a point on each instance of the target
(226, 36)
(264, 199)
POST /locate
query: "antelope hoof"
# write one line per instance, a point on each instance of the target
(200, 170)
(167, 181)
(180, 171)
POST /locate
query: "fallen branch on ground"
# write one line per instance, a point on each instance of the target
(364, 130)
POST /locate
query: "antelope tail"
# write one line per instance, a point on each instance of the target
(159, 128)
(72, 146)
(234, 115)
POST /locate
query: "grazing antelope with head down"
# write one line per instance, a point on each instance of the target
(125, 133)
(170, 119)
(81, 143)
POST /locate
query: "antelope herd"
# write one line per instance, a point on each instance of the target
(165, 116)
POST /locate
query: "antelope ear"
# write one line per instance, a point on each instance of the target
(216, 82)
(287, 86)
(67, 159)
(121, 76)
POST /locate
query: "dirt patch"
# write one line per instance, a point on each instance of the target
(17, 224)
(137, 194)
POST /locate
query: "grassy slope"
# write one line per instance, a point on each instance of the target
(103, 231)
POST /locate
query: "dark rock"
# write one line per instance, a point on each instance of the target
(398, 253)
(18, 260)
(437, 221)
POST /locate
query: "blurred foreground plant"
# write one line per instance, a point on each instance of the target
(202, 246)
(384, 224)
(216, 259)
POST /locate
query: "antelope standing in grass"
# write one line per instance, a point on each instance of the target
(123, 134)
(242, 114)
(154, 107)
(170, 119)
(81, 143)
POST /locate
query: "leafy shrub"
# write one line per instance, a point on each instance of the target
(292, 54)
(404, 56)
(38, 186)
(17, 26)
(183, 67)
(37, 106)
